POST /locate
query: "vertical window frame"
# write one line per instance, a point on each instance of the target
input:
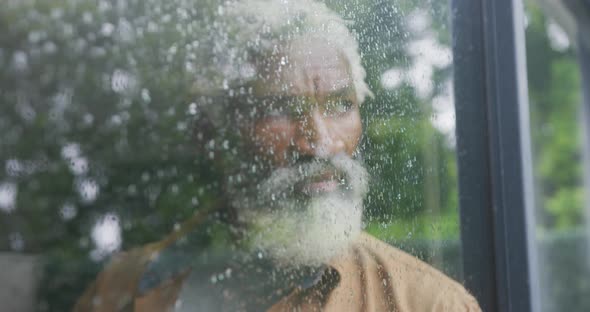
(583, 53)
(494, 154)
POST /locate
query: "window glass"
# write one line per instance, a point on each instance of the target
(557, 127)
(202, 155)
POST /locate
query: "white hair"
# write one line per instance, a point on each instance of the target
(245, 28)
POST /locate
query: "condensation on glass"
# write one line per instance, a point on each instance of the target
(199, 155)
(560, 158)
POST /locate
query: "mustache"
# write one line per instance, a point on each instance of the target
(280, 184)
(282, 181)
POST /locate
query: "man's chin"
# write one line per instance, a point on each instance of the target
(304, 214)
(310, 236)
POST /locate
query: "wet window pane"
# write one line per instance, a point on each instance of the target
(198, 155)
(560, 159)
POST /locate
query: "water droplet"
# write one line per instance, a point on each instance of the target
(20, 61)
(145, 95)
(68, 211)
(8, 193)
(107, 29)
(192, 108)
(121, 81)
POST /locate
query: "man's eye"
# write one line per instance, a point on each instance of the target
(271, 108)
(336, 108)
(276, 111)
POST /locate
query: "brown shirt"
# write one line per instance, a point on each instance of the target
(371, 276)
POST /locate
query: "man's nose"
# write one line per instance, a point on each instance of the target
(316, 137)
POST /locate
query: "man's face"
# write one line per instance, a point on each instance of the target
(313, 114)
(308, 201)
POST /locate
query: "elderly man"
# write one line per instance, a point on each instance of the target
(284, 114)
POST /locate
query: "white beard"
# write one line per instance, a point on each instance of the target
(293, 235)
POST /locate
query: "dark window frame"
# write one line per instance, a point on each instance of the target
(493, 147)
(494, 157)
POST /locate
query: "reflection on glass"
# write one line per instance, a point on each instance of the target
(237, 156)
(557, 129)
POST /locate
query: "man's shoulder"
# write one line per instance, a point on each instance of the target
(393, 259)
(415, 285)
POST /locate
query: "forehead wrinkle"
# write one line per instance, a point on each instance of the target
(339, 93)
(317, 81)
(305, 67)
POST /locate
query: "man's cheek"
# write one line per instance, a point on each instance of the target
(271, 139)
(350, 132)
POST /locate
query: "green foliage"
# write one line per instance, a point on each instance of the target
(565, 206)
(555, 98)
(425, 227)
(411, 169)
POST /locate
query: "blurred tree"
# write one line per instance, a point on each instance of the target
(95, 122)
